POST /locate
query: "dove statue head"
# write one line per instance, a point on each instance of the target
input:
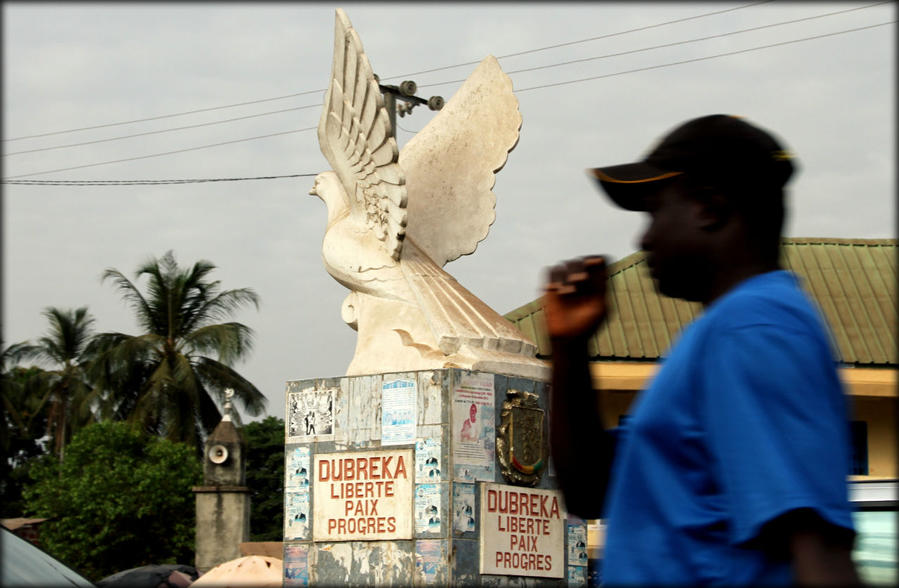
(327, 186)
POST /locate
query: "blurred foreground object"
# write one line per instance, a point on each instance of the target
(259, 571)
(152, 576)
(27, 565)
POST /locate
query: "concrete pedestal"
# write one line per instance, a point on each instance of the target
(386, 483)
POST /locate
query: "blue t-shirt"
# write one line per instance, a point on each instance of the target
(745, 420)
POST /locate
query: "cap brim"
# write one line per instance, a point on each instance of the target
(628, 185)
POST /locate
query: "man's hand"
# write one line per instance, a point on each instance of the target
(574, 299)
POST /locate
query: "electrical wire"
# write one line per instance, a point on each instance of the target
(162, 116)
(509, 72)
(651, 67)
(695, 40)
(197, 148)
(597, 38)
(525, 52)
(157, 132)
(145, 182)
(555, 84)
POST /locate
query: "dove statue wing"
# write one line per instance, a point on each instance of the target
(451, 165)
(355, 137)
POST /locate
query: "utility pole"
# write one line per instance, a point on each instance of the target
(406, 93)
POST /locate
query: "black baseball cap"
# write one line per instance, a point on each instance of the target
(719, 149)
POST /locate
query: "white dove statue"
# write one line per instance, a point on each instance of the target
(394, 219)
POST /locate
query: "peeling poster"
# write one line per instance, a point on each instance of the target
(296, 513)
(427, 508)
(427, 460)
(297, 469)
(463, 508)
(296, 564)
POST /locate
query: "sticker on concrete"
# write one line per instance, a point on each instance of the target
(430, 561)
(310, 415)
(474, 428)
(398, 412)
(463, 508)
(427, 460)
(577, 542)
(362, 495)
(297, 470)
(296, 513)
(427, 508)
(522, 532)
(296, 564)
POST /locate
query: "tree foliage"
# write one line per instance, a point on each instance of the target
(119, 499)
(63, 389)
(169, 377)
(265, 478)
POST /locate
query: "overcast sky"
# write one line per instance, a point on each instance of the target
(69, 66)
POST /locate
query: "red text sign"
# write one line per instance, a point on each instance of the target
(522, 532)
(362, 495)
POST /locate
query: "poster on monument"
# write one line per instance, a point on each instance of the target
(398, 412)
(427, 508)
(474, 428)
(427, 461)
(463, 508)
(310, 415)
(296, 564)
(297, 469)
(296, 513)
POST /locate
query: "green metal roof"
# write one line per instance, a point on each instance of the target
(853, 281)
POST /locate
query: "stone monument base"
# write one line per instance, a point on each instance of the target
(424, 478)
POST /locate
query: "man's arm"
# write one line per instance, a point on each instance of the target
(821, 553)
(574, 306)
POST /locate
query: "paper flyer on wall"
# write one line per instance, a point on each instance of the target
(297, 468)
(296, 514)
(429, 559)
(296, 565)
(577, 542)
(310, 415)
(427, 508)
(398, 412)
(577, 576)
(474, 428)
(463, 508)
(427, 461)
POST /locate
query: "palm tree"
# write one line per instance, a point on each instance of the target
(64, 389)
(166, 378)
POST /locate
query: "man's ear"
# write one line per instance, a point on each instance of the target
(715, 210)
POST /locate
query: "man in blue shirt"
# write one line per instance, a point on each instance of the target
(732, 467)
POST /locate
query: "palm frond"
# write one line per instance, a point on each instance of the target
(131, 294)
(219, 376)
(227, 341)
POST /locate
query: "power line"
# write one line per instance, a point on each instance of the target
(510, 72)
(162, 116)
(695, 40)
(527, 51)
(597, 38)
(119, 138)
(621, 73)
(614, 74)
(197, 148)
(144, 182)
